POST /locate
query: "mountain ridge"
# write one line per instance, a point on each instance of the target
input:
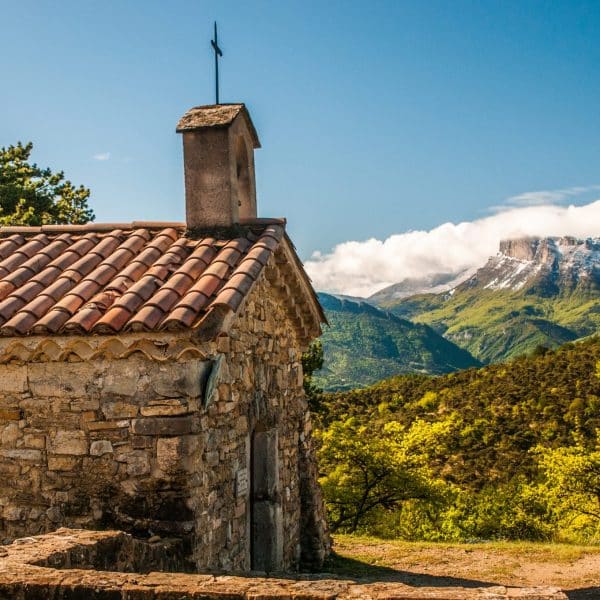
(365, 344)
(534, 291)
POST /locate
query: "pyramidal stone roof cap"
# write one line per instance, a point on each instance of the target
(141, 276)
(216, 115)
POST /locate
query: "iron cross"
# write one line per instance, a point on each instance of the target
(218, 52)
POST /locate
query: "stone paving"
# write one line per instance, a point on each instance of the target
(95, 565)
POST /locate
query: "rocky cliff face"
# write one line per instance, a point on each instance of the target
(549, 264)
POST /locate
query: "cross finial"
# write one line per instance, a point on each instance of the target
(218, 52)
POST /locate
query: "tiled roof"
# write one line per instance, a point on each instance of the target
(215, 115)
(124, 277)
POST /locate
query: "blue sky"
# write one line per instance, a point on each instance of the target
(375, 117)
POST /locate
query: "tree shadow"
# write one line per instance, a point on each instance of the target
(590, 593)
(362, 572)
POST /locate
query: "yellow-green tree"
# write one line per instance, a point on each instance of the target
(572, 486)
(378, 465)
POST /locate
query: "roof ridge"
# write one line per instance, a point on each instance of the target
(89, 227)
(7, 230)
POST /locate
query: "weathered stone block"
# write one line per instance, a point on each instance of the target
(85, 404)
(14, 513)
(69, 442)
(164, 410)
(10, 434)
(119, 410)
(212, 458)
(60, 380)
(22, 454)
(121, 382)
(103, 425)
(138, 463)
(223, 344)
(13, 379)
(10, 414)
(31, 440)
(180, 379)
(62, 463)
(170, 453)
(165, 426)
(9, 468)
(100, 447)
(140, 441)
(241, 424)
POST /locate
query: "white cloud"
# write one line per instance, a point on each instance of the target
(102, 156)
(550, 196)
(362, 268)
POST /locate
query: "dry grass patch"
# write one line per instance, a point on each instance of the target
(567, 566)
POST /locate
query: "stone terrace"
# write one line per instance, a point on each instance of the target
(79, 564)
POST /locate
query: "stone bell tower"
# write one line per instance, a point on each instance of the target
(218, 156)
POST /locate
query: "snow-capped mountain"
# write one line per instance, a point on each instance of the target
(534, 292)
(561, 262)
(431, 284)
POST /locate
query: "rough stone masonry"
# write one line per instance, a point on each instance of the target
(131, 441)
(84, 564)
(150, 373)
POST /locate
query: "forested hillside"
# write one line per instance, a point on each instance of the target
(508, 450)
(364, 344)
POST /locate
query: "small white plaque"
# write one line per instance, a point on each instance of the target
(241, 482)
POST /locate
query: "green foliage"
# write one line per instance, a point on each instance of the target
(364, 344)
(312, 360)
(496, 325)
(378, 466)
(30, 195)
(503, 452)
(571, 486)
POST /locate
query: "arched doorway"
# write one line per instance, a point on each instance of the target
(266, 533)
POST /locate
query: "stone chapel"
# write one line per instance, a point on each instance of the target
(150, 373)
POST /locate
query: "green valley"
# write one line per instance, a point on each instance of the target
(363, 345)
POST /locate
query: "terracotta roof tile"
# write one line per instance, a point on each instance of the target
(28, 291)
(20, 324)
(147, 318)
(195, 299)
(84, 320)
(180, 318)
(10, 306)
(266, 241)
(113, 321)
(10, 244)
(112, 278)
(250, 266)
(6, 288)
(230, 297)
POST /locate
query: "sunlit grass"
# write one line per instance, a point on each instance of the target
(384, 552)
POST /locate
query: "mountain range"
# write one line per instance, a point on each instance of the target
(533, 292)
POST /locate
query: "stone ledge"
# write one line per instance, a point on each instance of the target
(62, 565)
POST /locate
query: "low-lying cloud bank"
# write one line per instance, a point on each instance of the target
(362, 268)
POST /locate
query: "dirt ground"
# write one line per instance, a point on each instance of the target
(574, 569)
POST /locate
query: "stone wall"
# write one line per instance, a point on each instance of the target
(64, 565)
(87, 444)
(155, 445)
